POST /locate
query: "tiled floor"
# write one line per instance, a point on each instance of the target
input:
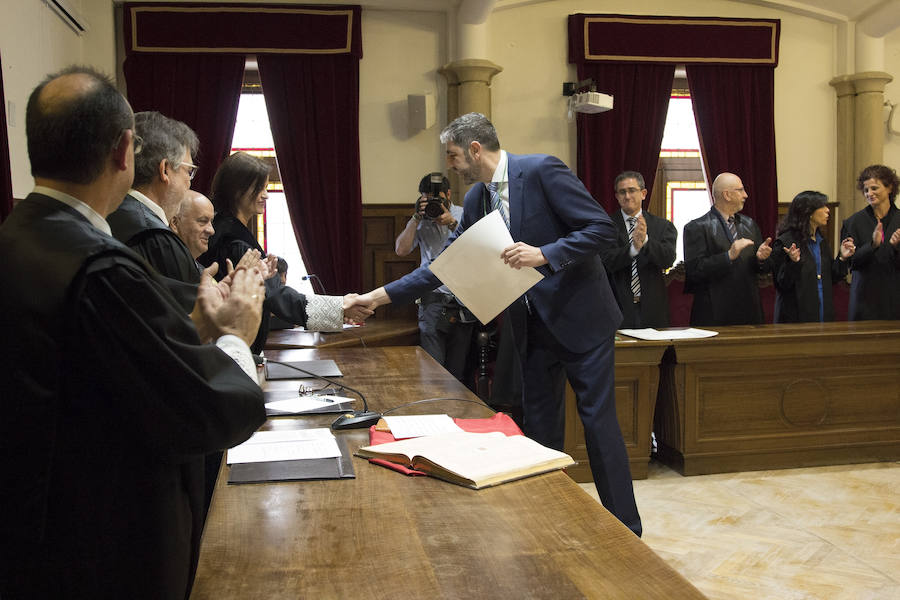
(824, 533)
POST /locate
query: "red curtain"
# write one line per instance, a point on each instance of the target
(6, 194)
(203, 90)
(629, 136)
(734, 109)
(313, 105)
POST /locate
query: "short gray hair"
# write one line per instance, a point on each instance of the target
(629, 175)
(164, 139)
(472, 127)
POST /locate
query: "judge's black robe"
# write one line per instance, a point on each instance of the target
(797, 283)
(874, 272)
(143, 231)
(109, 402)
(231, 241)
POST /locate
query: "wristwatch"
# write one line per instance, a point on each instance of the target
(417, 216)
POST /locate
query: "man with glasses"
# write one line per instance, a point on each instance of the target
(163, 170)
(645, 247)
(724, 254)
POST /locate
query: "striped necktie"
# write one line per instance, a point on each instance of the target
(635, 280)
(496, 202)
(732, 227)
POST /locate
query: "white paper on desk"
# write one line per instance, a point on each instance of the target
(285, 444)
(689, 333)
(421, 425)
(473, 270)
(300, 404)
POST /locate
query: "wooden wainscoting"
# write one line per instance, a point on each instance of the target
(382, 223)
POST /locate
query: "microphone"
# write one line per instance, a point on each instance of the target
(312, 276)
(356, 419)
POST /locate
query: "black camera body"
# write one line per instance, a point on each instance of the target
(434, 204)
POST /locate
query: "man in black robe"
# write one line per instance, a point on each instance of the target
(163, 171)
(111, 394)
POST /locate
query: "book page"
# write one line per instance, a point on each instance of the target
(420, 425)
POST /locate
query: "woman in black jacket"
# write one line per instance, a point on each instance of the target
(875, 268)
(239, 194)
(804, 269)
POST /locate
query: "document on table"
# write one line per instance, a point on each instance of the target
(306, 404)
(420, 425)
(473, 270)
(689, 333)
(285, 444)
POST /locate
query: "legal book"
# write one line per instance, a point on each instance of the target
(475, 460)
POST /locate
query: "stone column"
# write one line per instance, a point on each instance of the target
(846, 164)
(868, 122)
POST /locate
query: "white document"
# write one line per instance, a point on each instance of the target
(689, 333)
(300, 404)
(473, 270)
(421, 425)
(285, 444)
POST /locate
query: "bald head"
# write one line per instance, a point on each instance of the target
(74, 121)
(729, 194)
(193, 222)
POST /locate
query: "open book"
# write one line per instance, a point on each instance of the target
(474, 460)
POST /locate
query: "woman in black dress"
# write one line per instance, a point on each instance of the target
(875, 268)
(804, 269)
(239, 194)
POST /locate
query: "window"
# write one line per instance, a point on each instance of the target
(680, 166)
(275, 233)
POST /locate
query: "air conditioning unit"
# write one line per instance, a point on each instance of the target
(69, 15)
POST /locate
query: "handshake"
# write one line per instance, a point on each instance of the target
(359, 306)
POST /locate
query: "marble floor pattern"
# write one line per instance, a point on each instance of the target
(795, 534)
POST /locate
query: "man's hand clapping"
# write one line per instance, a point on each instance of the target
(233, 306)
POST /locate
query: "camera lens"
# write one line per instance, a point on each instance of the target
(433, 208)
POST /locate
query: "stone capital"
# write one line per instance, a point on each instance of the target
(470, 70)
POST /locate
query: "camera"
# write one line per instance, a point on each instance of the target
(431, 187)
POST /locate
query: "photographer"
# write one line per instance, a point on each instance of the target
(445, 326)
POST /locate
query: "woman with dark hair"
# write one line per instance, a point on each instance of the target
(239, 194)
(804, 270)
(875, 268)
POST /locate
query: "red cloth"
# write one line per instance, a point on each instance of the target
(499, 422)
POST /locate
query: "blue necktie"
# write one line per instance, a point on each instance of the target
(496, 202)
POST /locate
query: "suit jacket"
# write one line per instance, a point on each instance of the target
(657, 254)
(875, 272)
(796, 283)
(107, 414)
(726, 292)
(551, 209)
(141, 229)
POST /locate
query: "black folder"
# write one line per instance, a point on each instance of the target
(323, 368)
(295, 470)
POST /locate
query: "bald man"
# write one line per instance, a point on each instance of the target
(111, 394)
(193, 223)
(724, 254)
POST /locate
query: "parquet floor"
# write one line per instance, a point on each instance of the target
(817, 533)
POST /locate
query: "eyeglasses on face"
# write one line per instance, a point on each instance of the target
(191, 169)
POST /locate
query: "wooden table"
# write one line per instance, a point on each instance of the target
(384, 535)
(375, 332)
(778, 396)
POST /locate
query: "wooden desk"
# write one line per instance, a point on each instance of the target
(384, 535)
(375, 332)
(778, 396)
(637, 380)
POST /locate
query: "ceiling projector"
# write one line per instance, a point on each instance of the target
(592, 102)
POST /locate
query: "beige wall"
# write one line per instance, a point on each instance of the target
(403, 49)
(892, 94)
(34, 41)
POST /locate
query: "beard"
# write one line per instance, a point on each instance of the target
(471, 173)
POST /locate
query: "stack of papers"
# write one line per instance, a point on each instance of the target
(688, 333)
(291, 444)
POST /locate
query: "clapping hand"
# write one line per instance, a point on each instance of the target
(793, 252)
(848, 248)
(232, 306)
(764, 250)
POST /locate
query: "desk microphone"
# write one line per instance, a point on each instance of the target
(356, 419)
(312, 276)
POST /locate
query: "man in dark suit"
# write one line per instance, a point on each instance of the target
(724, 254)
(162, 176)
(645, 247)
(564, 325)
(111, 394)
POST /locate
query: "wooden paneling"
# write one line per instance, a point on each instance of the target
(776, 396)
(382, 223)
